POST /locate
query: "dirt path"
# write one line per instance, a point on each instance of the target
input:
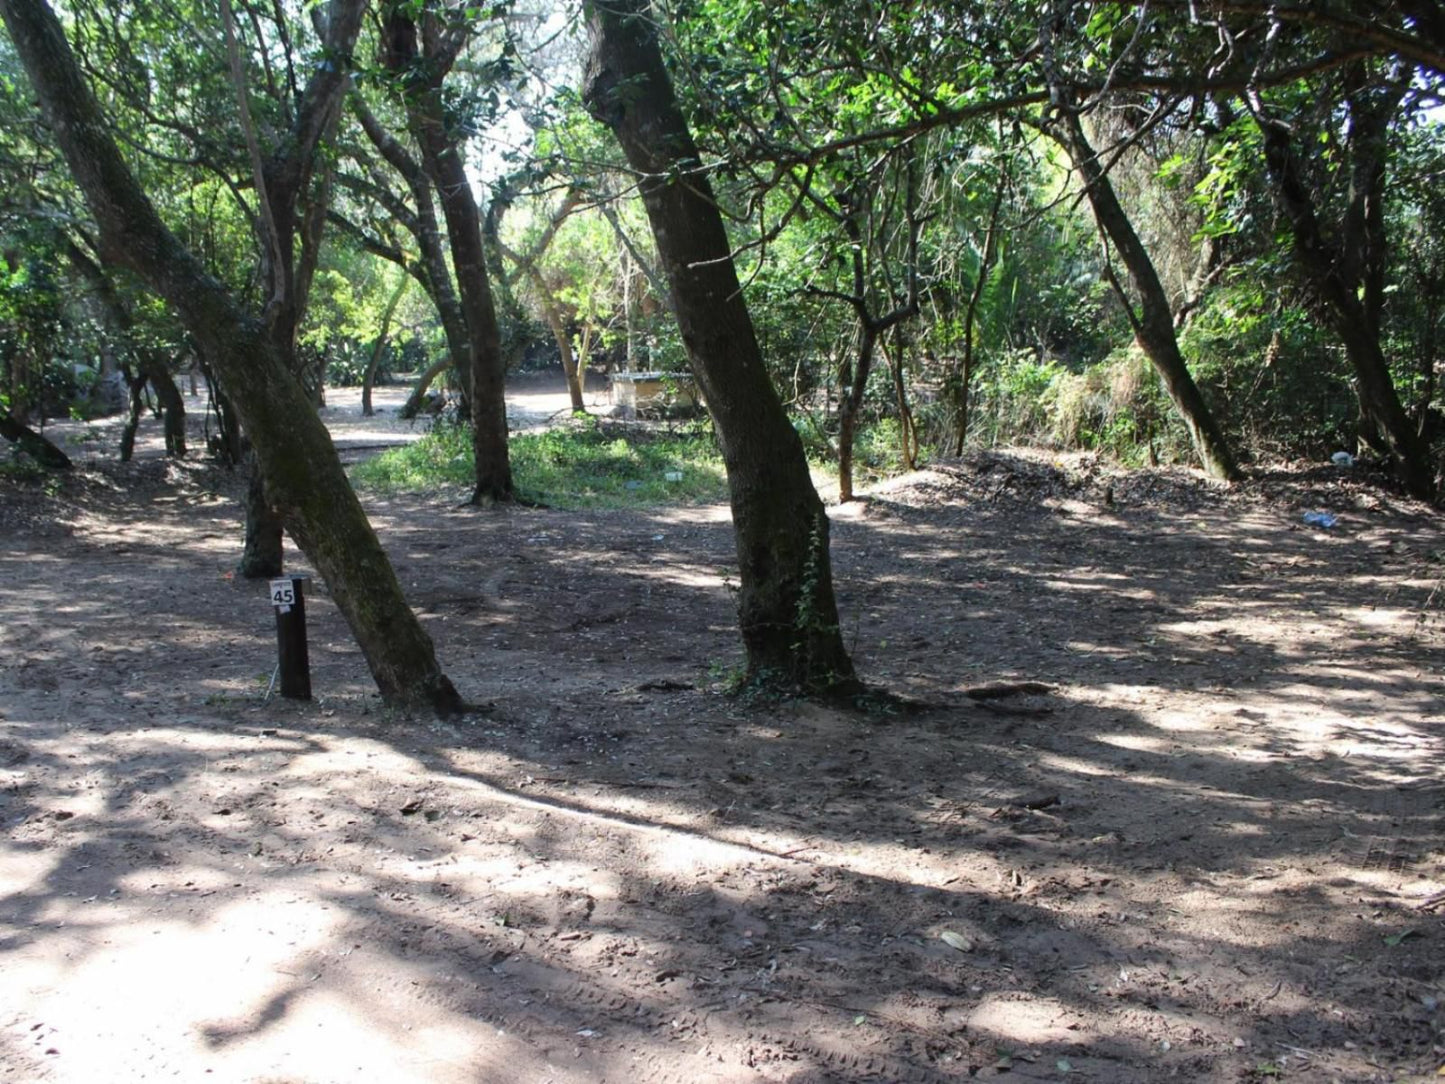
(1212, 853)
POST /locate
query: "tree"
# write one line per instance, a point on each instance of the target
(1154, 323)
(787, 610)
(305, 480)
(1346, 265)
(422, 54)
(877, 212)
(419, 219)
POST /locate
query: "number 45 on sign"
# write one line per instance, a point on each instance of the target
(283, 595)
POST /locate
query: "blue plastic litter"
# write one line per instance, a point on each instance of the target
(1321, 519)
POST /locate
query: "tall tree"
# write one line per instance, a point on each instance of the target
(291, 195)
(305, 479)
(1153, 324)
(422, 54)
(1346, 265)
(787, 610)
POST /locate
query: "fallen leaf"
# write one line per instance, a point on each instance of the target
(956, 940)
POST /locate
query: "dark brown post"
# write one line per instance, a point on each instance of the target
(289, 599)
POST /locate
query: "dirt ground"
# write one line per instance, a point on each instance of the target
(1211, 851)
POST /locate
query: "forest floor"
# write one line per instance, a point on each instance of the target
(1212, 850)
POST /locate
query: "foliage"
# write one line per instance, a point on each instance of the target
(581, 464)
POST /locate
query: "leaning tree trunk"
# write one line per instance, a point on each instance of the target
(1352, 319)
(36, 445)
(1154, 324)
(303, 473)
(787, 610)
(417, 398)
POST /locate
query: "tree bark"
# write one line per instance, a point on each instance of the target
(787, 610)
(1154, 324)
(303, 474)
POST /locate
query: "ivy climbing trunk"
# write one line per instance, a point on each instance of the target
(305, 480)
(787, 610)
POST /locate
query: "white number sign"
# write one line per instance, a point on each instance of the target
(283, 594)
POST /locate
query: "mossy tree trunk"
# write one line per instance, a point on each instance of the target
(304, 477)
(787, 610)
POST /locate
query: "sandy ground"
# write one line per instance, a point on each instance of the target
(1211, 851)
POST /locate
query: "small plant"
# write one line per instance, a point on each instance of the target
(730, 676)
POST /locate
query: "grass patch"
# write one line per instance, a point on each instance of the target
(579, 464)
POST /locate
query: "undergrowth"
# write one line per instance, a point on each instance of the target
(580, 464)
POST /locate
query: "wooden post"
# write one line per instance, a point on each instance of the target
(289, 599)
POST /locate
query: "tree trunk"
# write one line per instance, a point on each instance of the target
(907, 432)
(35, 445)
(437, 276)
(964, 391)
(172, 404)
(1353, 317)
(135, 390)
(853, 381)
(552, 313)
(263, 549)
(1154, 324)
(412, 407)
(442, 161)
(787, 610)
(378, 348)
(303, 474)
